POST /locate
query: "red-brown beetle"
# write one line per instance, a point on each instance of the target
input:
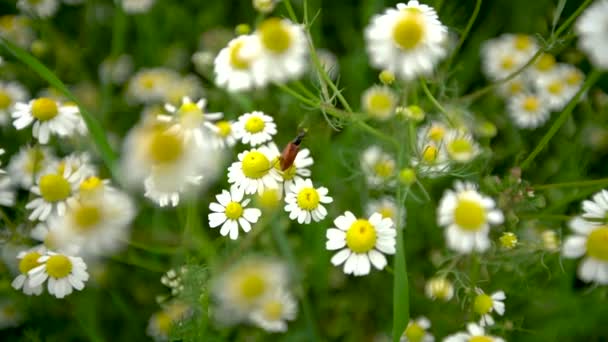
(291, 151)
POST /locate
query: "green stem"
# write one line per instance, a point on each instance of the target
(576, 184)
(466, 31)
(571, 18)
(593, 77)
(290, 10)
(433, 100)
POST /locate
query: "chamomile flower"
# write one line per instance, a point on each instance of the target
(439, 288)
(416, 331)
(467, 215)
(528, 110)
(559, 86)
(544, 65)
(55, 193)
(378, 166)
(233, 65)
(10, 314)
(361, 242)
(254, 172)
(282, 50)
(63, 273)
(190, 118)
(474, 333)
(593, 34)
(230, 212)
(255, 128)
(407, 41)
(274, 311)
(17, 28)
(150, 85)
(506, 54)
(379, 102)
(7, 193)
(116, 70)
(304, 202)
(264, 6)
(25, 166)
(161, 322)
(299, 170)
(136, 6)
(460, 146)
(515, 86)
(387, 207)
(484, 305)
(11, 93)
(40, 8)
(48, 118)
(224, 134)
(80, 163)
(28, 260)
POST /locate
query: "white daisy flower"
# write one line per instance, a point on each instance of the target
(416, 331)
(254, 172)
(380, 102)
(160, 323)
(18, 29)
(136, 6)
(484, 305)
(378, 166)
(40, 8)
(474, 333)
(274, 311)
(558, 87)
(460, 146)
(467, 215)
(191, 119)
(283, 50)
(116, 70)
(407, 41)
(439, 288)
(299, 170)
(224, 134)
(7, 193)
(11, 93)
(10, 314)
(28, 260)
(528, 110)
(48, 116)
(56, 192)
(387, 207)
(80, 163)
(516, 86)
(593, 34)
(506, 54)
(63, 272)
(360, 242)
(25, 166)
(544, 65)
(304, 203)
(255, 128)
(150, 85)
(230, 212)
(233, 65)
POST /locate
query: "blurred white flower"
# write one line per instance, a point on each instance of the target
(593, 33)
(378, 166)
(137, 6)
(416, 331)
(275, 310)
(25, 166)
(474, 333)
(40, 8)
(528, 110)
(379, 102)
(233, 66)
(10, 94)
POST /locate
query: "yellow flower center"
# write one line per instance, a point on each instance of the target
(5, 100)
(469, 214)
(384, 168)
(481, 339)
(86, 216)
(273, 310)
(224, 128)
(508, 240)
(29, 261)
(252, 286)
(275, 35)
(515, 87)
(165, 147)
(530, 104)
(574, 78)
(414, 332)
(482, 304)
(234, 210)
(308, 199)
(507, 62)
(54, 188)
(460, 145)
(555, 88)
(440, 288)
(387, 212)
(90, 185)
(255, 165)
(522, 42)
(270, 198)
(380, 103)
(545, 62)
(190, 114)
(44, 109)
(361, 236)
(58, 266)
(436, 133)
(236, 60)
(597, 243)
(164, 322)
(429, 155)
(255, 124)
(409, 29)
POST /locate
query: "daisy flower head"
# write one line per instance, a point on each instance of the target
(282, 50)
(528, 110)
(150, 85)
(63, 272)
(40, 8)
(460, 146)
(17, 28)
(224, 134)
(484, 305)
(116, 70)
(361, 242)
(544, 65)
(56, 191)
(387, 207)
(191, 119)
(593, 33)
(378, 166)
(48, 117)
(233, 66)
(264, 6)
(255, 128)
(28, 260)
(7, 193)
(439, 288)
(474, 333)
(299, 169)
(160, 323)
(379, 102)
(506, 54)
(274, 311)
(10, 315)
(304, 202)
(25, 166)
(136, 6)
(254, 171)
(231, 211)
(407, 41)
(11, 93)
(467, 215)
(559, 86)
(416, 331)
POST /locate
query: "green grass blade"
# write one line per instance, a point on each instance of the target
(401, 296)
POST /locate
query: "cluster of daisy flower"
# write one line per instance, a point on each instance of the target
(544, 87)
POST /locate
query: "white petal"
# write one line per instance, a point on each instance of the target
(340, 257)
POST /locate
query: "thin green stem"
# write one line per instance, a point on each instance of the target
(290, 10)
(571, 18)
(466, 31)
(576, 184)
(593, 77)
(433, 100)
(545, 217)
